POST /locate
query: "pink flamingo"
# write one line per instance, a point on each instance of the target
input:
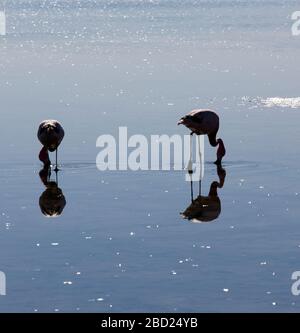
(50, 134)
(205, 122)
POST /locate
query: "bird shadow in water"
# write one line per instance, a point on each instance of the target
(52, 201)
(206, 208)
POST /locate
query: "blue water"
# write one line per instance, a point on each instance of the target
(120, 243)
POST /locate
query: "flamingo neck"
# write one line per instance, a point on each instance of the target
(44, 156)
(221, 149)
(212, 139)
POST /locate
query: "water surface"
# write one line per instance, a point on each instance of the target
(121, 243)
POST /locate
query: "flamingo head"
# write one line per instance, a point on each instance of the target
(186, 120)
(181, 121)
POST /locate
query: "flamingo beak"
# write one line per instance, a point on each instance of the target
(180, 122)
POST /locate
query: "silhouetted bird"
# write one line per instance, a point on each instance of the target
(50, 134)
(205, 122)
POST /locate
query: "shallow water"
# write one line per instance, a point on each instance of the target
(121, 243)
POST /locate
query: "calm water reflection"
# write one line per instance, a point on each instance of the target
(52, 201)
(206, 208)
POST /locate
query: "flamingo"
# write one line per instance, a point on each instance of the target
(205, 122)
(50, 134)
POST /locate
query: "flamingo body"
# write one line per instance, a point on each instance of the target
(201, 122)
(205, 122)
(50, 134)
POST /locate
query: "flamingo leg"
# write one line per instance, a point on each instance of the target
(200, 161)
(49, 174)
(192, 194)
(190, 164)
(56, 167)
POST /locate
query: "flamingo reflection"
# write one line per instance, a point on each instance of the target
(206, 208)
(52, 201)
